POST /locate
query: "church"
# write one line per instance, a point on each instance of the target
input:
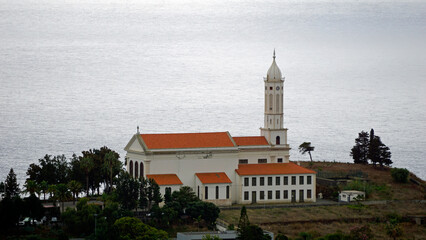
(225, 169)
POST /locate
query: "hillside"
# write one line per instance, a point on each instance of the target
(402, 202)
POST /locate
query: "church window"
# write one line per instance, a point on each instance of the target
(269, 181)
(246, 181)
(246, 195)
(280, 160)
(131, 168)
(217, 192)
(253, 181)
(261, 160)
(278, 140)
(262, 181)
(309, 180)
(277, 100)
(141, 169)
(285, 180)
(269, 194)
(293, 180)
(277, 194)
(270, 102)
(206, 192)
(242, 161)
(198, 191)
(136, 170)
(227, 192)
(270, 88)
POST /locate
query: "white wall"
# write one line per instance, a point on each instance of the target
(281, 187)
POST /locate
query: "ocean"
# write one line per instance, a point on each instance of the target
(76, 75)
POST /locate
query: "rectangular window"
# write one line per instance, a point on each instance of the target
(285, 194)
(277, 181)
(309, 180)
(262, 181)
(301, 180)
(277, 194)
(293, 180)
(206, 192)
(280, 160)
(242, 161)
(285, 180)
(269, 181)
(253, 181)
(227, 192)
(262, 195)
(269, 194)
(217, 192)
(246, 195)
(261, 160)
(309, 194)
(246, 181)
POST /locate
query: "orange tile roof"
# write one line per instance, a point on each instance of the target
(214, 177)
(271, 169)
(187, 140)
(250, 141)
(165, 179)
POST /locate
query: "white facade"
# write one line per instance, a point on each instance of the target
(351, 196)
(190, 153)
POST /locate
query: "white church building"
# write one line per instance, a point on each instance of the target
(223, 169)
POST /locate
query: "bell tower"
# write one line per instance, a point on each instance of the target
(273, 129)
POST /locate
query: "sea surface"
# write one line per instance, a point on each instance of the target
(76, 75)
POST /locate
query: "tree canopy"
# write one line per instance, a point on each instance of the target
(306, 148)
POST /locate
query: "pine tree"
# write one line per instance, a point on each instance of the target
(12, 186)
(243, 223)
(360, 151)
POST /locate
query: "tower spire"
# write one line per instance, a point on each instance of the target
(274, 54)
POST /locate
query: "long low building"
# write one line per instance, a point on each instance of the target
(223, 169)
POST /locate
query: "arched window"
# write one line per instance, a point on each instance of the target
(168, 190)
(136, 170)
(277, 99)
(278, 140)
(141, 169)
(131, 168)
(270, 102)
(198, 191)
(217, 192)
(206, 193)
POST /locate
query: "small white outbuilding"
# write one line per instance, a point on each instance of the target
(351, 195)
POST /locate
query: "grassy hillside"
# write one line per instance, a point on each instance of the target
(323, 220)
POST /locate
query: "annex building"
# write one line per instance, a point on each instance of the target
(225, 169)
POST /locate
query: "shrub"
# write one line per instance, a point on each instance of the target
(361, 233)
(400, 175)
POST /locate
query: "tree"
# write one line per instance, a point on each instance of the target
(62, 193)
(400, 175)
(87, 165)
(12, 186)
(244, 220)
(379, 152)
(154, 195)
(207, 211)
(31, 187)
(43, 186)
(111, 161)
(133, 228)
(360, 151)
(253, 232)
(75, 188)
(127, 191)
(306, 148)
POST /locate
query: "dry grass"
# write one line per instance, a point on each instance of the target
(330, 219)
(380, 177)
